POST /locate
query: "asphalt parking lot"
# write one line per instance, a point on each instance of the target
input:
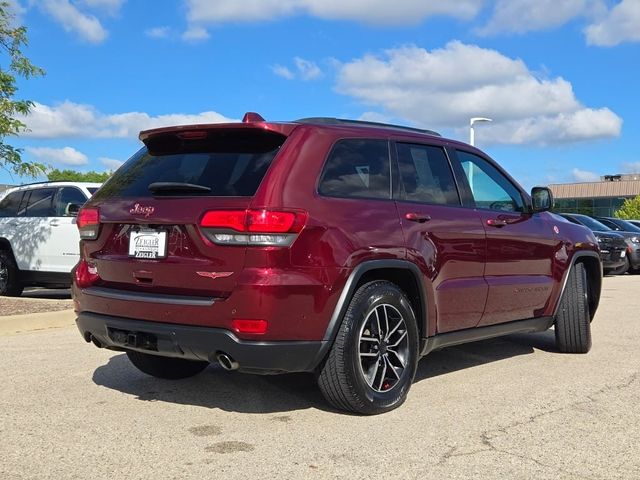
(507, 408)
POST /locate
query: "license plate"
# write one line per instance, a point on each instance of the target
(623, 253)
(150, 244)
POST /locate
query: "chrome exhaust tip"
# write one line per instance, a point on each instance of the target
(227, 362)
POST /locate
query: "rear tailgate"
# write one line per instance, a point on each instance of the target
(187, 264)
(149, 238)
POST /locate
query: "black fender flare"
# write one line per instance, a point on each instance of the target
(578, 255)
(349, 290)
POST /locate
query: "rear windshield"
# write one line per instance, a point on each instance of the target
(226, 167)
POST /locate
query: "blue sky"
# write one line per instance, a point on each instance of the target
(558, 77)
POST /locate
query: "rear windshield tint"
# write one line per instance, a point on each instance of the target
(230, 166)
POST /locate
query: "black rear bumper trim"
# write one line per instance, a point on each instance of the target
(199, 343)
(116, 294)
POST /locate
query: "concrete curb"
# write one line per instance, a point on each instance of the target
(29, 322)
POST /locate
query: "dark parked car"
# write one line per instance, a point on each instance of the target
(348, 249)
(613, 247)
(635, 222)
(631, 233)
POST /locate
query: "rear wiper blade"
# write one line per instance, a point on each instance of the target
(177, 187)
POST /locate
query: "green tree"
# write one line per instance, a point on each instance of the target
(75, 176)
(630, 209)
(14, 64)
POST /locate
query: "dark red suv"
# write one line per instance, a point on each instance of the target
(349, 249)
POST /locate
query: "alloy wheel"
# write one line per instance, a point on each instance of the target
(383, 348)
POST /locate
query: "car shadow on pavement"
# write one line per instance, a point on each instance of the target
(470, 355)
(216, 388)
(48, 293)
(244, 393)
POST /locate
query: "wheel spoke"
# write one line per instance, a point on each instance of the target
(397, 355)
(378, 323)
(400, 322)
(369, 339)
(372, 378)
(392, 368)
(386, 321)
(402, 337)
(368, 354)
(383, 376)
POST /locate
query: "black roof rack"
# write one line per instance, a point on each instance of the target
(363, 123)
(47, 181)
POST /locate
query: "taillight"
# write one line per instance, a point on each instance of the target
(256, 227)
(88, 222)
(86, 274)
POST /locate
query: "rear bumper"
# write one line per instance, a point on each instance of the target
(199, 343)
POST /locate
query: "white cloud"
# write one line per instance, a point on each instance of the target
(110, 6)
(111, 163)
(445, 87)
(520, 16)
(283, 72)
(195, 33)
(158, 32)
(583, 124)
(620, 24)
(400, 12)
(374, 117)
(70, 119)
(58, 156)
(584, 176)
(304, 70)
(66, 14)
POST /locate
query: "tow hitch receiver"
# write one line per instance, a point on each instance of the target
(141, 340)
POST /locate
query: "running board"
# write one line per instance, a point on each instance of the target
(450, 339)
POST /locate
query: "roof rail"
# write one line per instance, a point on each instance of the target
(363, 123)
(48, 181)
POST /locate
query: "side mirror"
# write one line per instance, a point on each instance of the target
(541, 199)
(72, 209)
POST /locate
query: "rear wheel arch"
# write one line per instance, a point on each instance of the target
(6, 245)
(404, 274)
(10, 281)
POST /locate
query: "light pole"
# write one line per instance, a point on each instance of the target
(472, 133)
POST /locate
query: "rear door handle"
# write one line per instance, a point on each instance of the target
(54, 223)
(496, 222)
(417, 217)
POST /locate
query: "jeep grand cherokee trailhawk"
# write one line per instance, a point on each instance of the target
(344, 248)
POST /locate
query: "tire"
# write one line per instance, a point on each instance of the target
(362, 373)
(623, 269)
(165, 367)
(573, 323)
(9, 282)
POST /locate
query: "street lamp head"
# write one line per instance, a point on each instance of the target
(479, 119)
(471, 131)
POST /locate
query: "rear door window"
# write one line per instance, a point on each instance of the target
(39, 204)
(357, 168)
(426, 175)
